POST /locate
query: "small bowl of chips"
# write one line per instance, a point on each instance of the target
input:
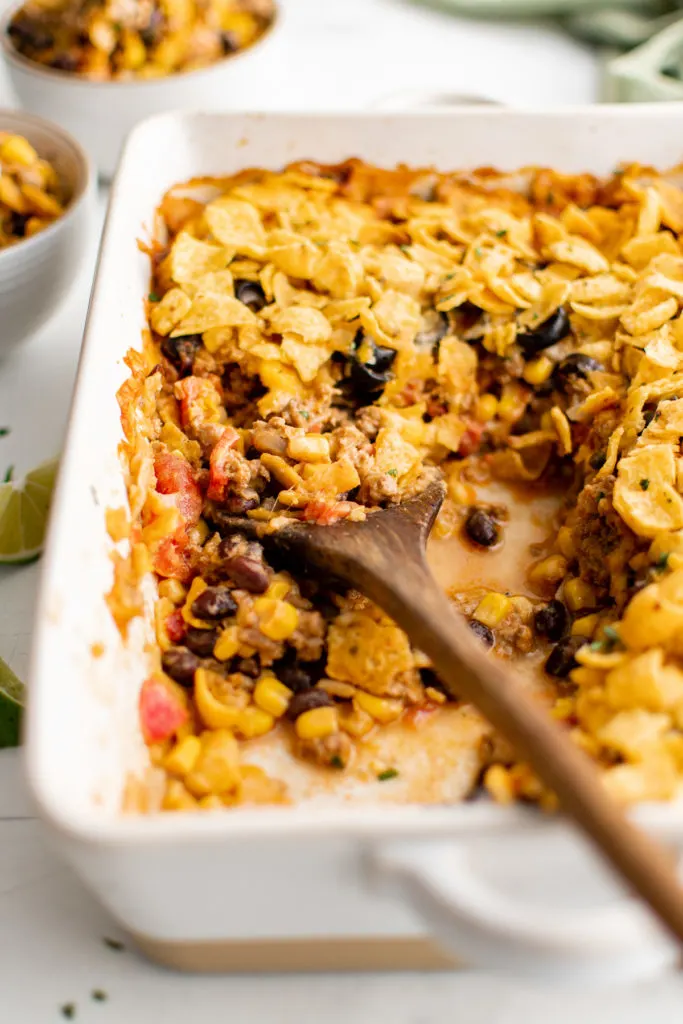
(99, 67)
(46, 205)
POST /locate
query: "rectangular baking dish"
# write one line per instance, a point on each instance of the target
(312, 886)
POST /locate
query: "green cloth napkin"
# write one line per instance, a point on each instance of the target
(640, 41)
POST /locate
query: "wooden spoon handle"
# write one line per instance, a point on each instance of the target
(410, 595)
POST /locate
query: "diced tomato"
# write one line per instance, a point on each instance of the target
(201, 400)
(174, 476)
(171, 560)
(176, 626)
(471, 439)
(161, 710)
(325, 513)
(218, 475)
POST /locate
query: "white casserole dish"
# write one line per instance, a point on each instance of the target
(310, 886)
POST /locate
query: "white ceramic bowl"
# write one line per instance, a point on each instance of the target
(101, 114)
(36, 274)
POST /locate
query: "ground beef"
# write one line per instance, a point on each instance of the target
(309, 637)
(598, 532)
(369, 420)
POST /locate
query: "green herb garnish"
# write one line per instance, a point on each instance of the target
(99, 995)
(662, 561)
(644, 484)
(392, 472)
(9, 473)
(502, 233)
(405, 249)
(336, 761)
(153, 297)
(114, 944)
(611, 634)
(4, 431)
(68, 1010)
(388, 773)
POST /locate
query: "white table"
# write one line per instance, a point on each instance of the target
(348, 53)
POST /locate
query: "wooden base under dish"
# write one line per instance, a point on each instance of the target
(361, 954)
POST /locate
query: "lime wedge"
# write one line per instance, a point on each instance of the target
(11, 705)
(24, 509)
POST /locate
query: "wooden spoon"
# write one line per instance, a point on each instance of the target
(384, 557)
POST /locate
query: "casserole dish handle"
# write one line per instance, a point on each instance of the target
(616, 942)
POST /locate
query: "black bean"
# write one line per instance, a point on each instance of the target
(65, 62)
(435, 326)
(180, 664)
(562, 658)
(306, 701)
(229, 44)
(482, 632)
(251, 294)
(552, 620)
(552, 330)
(481, 528)
(182, 351)
(17, 223)
(247, 573)
(214, 603)
(576, 366)
(152, 31)
(27, 32)
(201, 641)
(369, 366)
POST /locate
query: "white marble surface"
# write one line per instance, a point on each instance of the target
(341, 54)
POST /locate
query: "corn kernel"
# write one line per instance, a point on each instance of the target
(197, 587)
(436, 696)
(549, 570)
(184, 756)
(562, 709)
(272, 696)
(212, 802)
(228, 644)
(538, 370)
(253, 721)
(585, 626)
(317, 723)
(309, 448)
(492, 609)
(162, 609)
(17, 150)
(134, 53)
(382, 709)
(499, 784)
(217, 767)
(258, 788)
(214, 713)
(278, 588)
(281, 470)
(277, 619)
(578, 595)
(10, 194)
(200, 532)
(177, 798)
(511, 405)
(173, 590)
(486, 408)
(565, 542)
(584, 676)
(40, 202)
(356, 722)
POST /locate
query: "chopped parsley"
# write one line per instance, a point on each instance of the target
(114, 944)
(68, 1010)
(153, 297)
(644, 484)
(601, 495)
(9, 473)
(662, 561)
(502, 233)
(99, 995)
(550, 198)
(405, 249)
(611, 634)
(388, 773)
(336, 761)
(392, 472)
(478, 252)
(305, 414)
(4, 431)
